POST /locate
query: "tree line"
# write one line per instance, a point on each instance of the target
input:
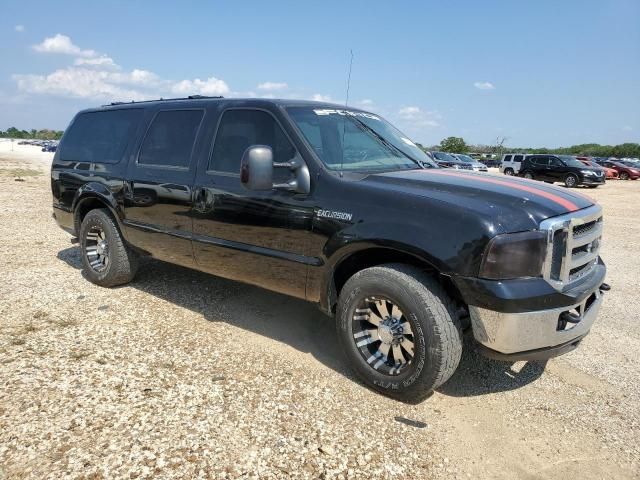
(44, 134)
(458, 145)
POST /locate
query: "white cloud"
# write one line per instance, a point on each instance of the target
(416, 117)
(211, 86)
(62, 44)
(318, 97)
(272, 86)
(484, 86)
(627, 128)
(78, 82)
(94, 75)
(367, 102)
(19, 28)
(101, 62)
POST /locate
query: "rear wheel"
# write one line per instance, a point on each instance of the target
(508, 171)
(570, 181)
(528, 175)
(399, 330)
(106, 258)
(624, 176)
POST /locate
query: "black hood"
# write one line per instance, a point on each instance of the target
(511, 204)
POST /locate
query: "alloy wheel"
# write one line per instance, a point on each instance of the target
(97, 249)
(383, 335)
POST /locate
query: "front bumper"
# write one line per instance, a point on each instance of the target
(593, 180)
(534, 335)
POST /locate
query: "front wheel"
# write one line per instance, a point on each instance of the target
(508, 171)
(570, 181)
(399, 330)
(624, 176)
(107, 260)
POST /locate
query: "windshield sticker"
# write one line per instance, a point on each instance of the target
(350, 113)
(408, 142)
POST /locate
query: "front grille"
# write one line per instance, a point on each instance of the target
(573, 246)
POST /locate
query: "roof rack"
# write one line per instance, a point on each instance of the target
(190, 97)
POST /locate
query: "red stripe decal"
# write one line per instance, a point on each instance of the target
(570, 206)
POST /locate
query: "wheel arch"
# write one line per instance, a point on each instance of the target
(92, 196)
(370, 255)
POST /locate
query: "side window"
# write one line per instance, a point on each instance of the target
(240, 129)
(170, 138)
(554, 162)
(507, 158)
(517, 158)
(99, 137)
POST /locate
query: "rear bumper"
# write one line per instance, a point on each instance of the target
(64, 219)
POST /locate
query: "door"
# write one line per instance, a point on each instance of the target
(557, 169)
(158, 196)
(253, 237)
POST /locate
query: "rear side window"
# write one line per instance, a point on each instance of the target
(99, 137)
(170, 138)
(240, 129)
(517, 158)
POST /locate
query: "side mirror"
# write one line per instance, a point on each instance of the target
(256, 168)
(256, 171)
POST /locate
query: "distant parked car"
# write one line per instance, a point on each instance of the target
(610, 173)
(510, 164)
(475, 165)
(626, 171)
(561, 168)
(447, 160)
(49, 148)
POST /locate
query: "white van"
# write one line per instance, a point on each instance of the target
(511, 162)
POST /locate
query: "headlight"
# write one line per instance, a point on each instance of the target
(587, 172)
(514, 255)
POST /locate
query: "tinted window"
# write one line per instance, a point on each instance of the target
(507, 158)
(517, 158)
(541, 161)
(240, 129)
(99, 137)
(170, 138)
(555, 162)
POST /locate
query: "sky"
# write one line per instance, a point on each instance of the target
(540, 73)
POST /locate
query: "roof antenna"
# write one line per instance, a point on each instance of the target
(346, 102)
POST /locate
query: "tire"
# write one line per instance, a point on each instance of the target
(570, 181)
(528, 175)
(508, 171)
(624, 176)
(121, 261)
(425, 310)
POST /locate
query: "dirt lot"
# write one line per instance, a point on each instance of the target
(180, 374)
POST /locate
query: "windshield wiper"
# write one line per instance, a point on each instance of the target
(386, 142)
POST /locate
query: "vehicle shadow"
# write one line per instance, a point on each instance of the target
(296, 323)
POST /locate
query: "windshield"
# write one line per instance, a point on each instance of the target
(571, 161)
(465, 158)
(630, 164)
(445, 157)
(351, 140)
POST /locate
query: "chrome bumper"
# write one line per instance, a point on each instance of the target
(512, 333)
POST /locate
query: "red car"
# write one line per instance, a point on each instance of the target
(626, 171)
(611, 173)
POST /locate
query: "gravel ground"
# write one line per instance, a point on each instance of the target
(181, 375)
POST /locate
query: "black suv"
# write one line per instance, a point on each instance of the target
(335, 206)
(561, 168)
